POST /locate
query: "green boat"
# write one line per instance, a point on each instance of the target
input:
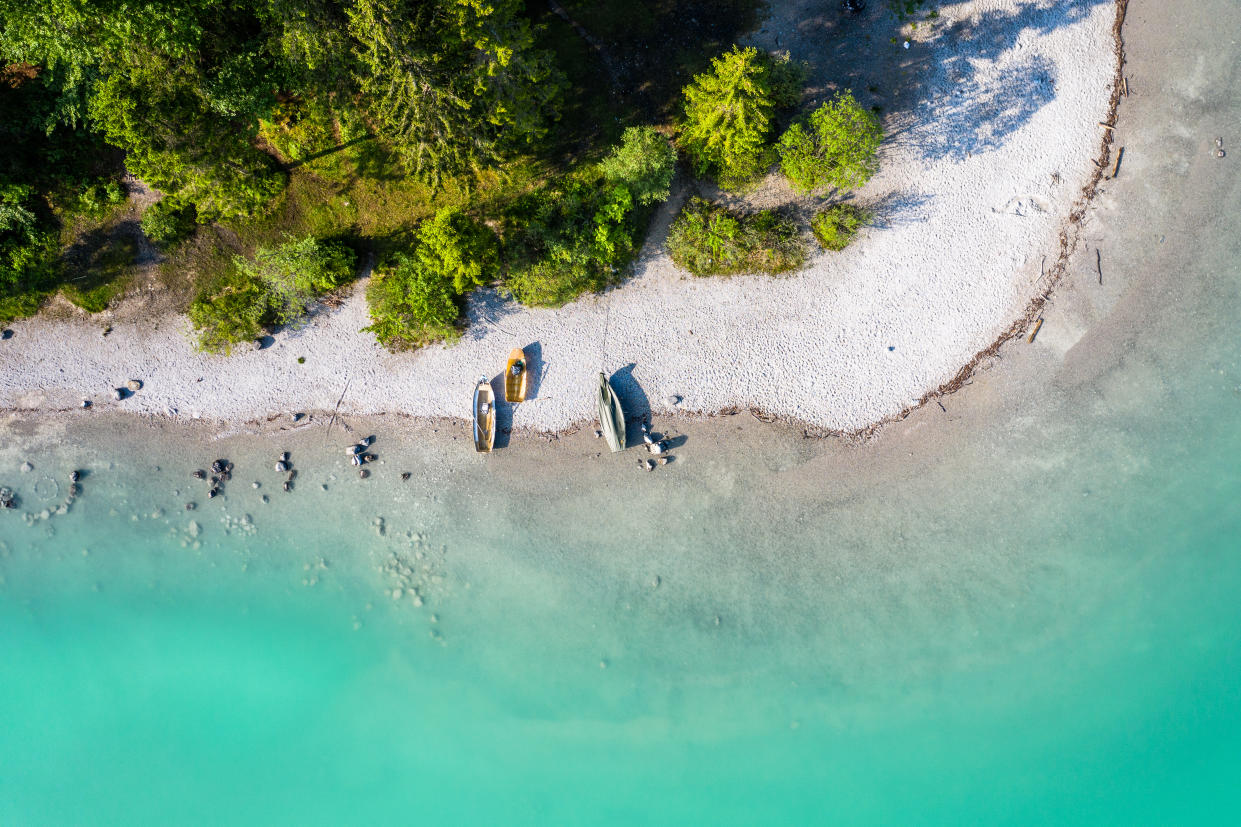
(611, 416)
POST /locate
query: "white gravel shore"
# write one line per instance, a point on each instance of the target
(976, 184)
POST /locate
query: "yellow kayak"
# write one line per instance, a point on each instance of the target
(515, 374)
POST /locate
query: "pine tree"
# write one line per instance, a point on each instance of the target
(728, 116)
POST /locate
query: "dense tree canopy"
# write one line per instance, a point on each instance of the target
(181, 86)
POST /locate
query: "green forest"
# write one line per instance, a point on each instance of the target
(442, 144)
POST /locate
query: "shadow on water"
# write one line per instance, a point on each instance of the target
(633, 401)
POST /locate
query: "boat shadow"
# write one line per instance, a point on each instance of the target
(633, 401)
(534, 369)
(504, 413)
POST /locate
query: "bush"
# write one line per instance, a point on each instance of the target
(94, 199)
(568, 240)
(297, 272)
(836, 226)
(455, 247)
(709, 240)
(412, 305)
(644, 163)
(727, 117)
(167, 221)
(27, 254)
(230, 310)
(838, 148)
(277, 287)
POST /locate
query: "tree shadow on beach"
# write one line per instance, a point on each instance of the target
(962, 87)
(897, 209)
(485, 311)
(976, 82)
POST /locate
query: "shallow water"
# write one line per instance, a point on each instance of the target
(1023, 609)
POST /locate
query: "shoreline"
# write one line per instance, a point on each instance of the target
(18, 396)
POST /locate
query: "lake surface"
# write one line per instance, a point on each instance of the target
(1023, 608)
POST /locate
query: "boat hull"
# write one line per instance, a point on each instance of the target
(484, 418)
(515, 384)
(611, 415)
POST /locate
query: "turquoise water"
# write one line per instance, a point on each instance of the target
(1023, 646)
(1030, 616)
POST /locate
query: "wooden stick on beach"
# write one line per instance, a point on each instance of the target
(1098, 264)
(1106, 126)
(1116, 166)
(1037, 326)
(1126, 87)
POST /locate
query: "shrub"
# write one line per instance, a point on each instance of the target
(296, 272)
(277, 287)
(568, 240)
(837, 148)
(727, 117)
(167, 221)
(230, 310)
(95, 198)
(836, 226)
(27, 254)
(457, 248)
(411, 305)
(644, 163)
(710, 240)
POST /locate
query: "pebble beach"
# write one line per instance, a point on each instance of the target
(975, 189)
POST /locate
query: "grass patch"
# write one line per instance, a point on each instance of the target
(836, 226)
(710, 240)
(99, 255)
